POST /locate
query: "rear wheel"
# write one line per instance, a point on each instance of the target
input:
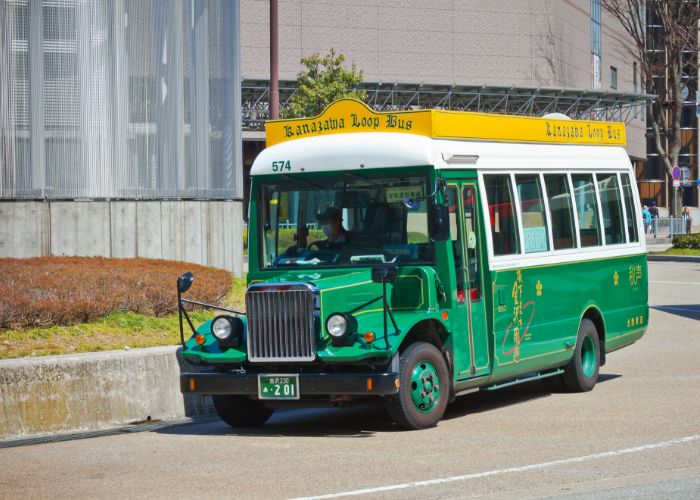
(239, 411)
(424, 390)
(581, 374)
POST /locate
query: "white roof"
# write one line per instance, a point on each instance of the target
(386, 149)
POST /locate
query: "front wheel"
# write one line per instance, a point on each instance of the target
(424, 390)
(581, 374)
(239, 411)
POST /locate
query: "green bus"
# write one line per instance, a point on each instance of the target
(417, 256)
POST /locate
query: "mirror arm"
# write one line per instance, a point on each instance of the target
(180, 310)
(439, 185)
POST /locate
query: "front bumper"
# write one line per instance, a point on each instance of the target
(310, 384)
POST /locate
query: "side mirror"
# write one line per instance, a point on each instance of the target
(439, 222)
(184, 282)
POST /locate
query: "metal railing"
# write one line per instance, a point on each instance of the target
(664, 228)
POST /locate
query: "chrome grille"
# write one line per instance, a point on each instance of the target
(280, 323)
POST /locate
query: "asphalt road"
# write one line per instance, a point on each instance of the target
(636, 434)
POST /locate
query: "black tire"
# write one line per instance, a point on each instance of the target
(581, 374)
(421, 358)
(239, 411)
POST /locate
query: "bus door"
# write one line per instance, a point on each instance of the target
(471, 346)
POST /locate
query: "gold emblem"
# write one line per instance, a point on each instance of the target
(616, 279)
(538, 287)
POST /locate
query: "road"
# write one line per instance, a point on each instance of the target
(637, 433)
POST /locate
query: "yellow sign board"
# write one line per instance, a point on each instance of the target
(349, 116)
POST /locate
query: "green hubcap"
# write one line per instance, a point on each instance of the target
(425, 387)
(588, 356)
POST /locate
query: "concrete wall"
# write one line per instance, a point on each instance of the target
(92, 391)
(201, 232)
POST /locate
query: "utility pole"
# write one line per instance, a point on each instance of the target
(274, 63)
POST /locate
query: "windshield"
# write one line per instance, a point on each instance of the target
(343, 221)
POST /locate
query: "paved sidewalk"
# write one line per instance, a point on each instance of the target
(658, 245)
(661, 244)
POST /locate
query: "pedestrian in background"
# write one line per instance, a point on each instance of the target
(646, 218)
(687, 220)
(654, 216)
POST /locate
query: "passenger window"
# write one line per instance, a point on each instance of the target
(587, 209)
(560, 210)
(632, 214)
(504, 225)
(535, 234)
(611, 205)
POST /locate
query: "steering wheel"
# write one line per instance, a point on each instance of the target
(322, 245)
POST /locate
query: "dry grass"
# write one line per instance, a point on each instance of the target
(50, 291)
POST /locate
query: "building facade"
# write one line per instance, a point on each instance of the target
(519, 44)
(122, 120)
(121, 129)
(655, 183)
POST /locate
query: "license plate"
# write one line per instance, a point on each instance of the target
(278, 386)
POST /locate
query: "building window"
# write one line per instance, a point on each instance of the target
(613, 77)
(595, 27)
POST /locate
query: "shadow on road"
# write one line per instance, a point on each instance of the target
(363, 420)
(691, 311)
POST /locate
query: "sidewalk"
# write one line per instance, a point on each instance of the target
(658, 244)
(662, 244)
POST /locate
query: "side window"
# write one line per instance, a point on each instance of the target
(534, 219)
(632, 214)
(586, 209)
(455, 234)
(470, 230)
(611, 204)
(502, 219)
(561, 211)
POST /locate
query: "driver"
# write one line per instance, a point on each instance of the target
(331, 220)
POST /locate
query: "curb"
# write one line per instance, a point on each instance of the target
(93, 391)
(673, 258)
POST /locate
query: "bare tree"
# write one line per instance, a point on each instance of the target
(661, 63)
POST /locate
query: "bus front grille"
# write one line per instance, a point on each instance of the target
(280, 324)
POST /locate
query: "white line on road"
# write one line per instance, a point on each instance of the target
(677, 282)
(523, 468)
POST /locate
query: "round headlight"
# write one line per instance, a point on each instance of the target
(337, 325)
(221, 328)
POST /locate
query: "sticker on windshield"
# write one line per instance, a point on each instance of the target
(397, 194)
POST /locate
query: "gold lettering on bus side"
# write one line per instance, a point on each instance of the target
(539, 288)
(635, 274)
(616, 279)
(516, 324)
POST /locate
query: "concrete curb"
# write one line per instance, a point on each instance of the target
(673, 258)
(83, 392)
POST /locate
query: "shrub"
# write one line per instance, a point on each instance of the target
(687, 241)
(48, 291)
